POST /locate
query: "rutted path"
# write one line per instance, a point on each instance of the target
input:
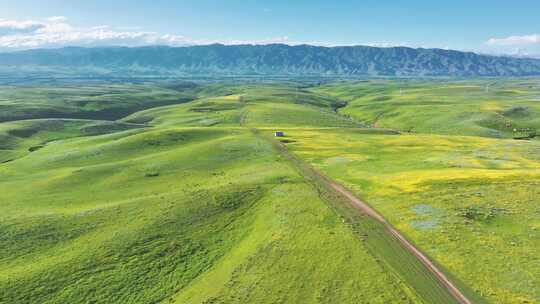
(363, 207)
(441, 277)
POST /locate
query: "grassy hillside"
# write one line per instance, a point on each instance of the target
(471, 203)
(252, 106)
(102, 102)
(22, 137)
(177, 198)
(176, 215)
(471, 107)
(177, 212)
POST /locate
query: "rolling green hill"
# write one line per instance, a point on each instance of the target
(22, 137)
(471, 203)
(183, 196)
(101, 102)
(179, 212)
(489, 108)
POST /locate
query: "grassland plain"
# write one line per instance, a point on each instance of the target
(181, 203)
(102, 102)
(471, 203)
(22, 137)
(251, 106)
(185, 215)
(181, 210)
(488, 108)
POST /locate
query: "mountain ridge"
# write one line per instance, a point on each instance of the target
(270, 59)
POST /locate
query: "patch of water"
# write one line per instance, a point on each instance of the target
(429, 217)
(425, 225)
(423, 209)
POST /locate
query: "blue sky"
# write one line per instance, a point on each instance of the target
(496, 26)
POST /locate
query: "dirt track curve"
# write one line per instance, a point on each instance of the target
(441, 277)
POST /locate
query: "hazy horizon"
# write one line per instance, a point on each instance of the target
(481, 27)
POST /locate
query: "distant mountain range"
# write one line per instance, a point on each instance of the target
(273, 59)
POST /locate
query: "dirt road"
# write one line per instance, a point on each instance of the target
(366, 209)
(441, 277)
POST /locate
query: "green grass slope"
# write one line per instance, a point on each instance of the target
(185, 215)
(276, 106)
(161, 200)
(167, 214)
(471, 107)
(101, 102)
(20, 138)
(471, 203)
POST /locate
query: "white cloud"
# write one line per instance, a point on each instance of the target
(9, 27)
(515, 40)
(57, 19)
(274, 40)
(170, 39)
(59, 32)
(385, 44)
(517, 46)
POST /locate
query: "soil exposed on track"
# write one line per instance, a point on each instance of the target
(366, 209)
